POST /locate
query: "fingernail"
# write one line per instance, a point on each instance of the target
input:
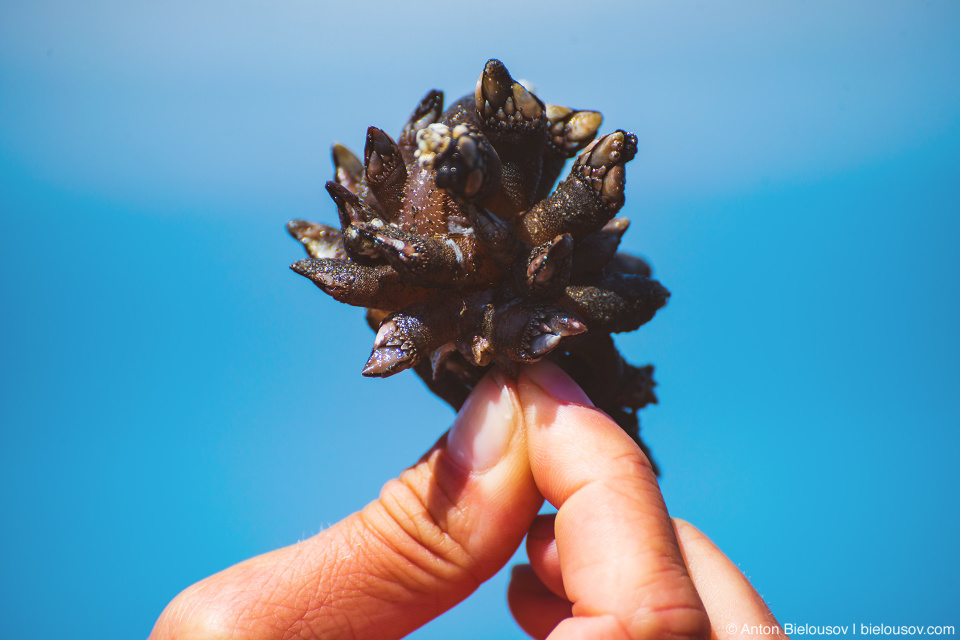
(484, 426)
(558, 384)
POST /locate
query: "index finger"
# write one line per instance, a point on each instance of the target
(619, 556)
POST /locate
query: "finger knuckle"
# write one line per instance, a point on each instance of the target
(412, 522)
(630, 464)
(675, 622)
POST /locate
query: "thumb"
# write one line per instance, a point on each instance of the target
(437, 532)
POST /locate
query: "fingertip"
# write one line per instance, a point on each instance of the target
(535, 608)
(243, 602)
(687, 533)
(485, 424)
(570, 442)
(543, 553)
(729, 598)
(560, 416)
(616, 546)
(555, 382)
(699, 553)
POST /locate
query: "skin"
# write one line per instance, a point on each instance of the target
(611, 563)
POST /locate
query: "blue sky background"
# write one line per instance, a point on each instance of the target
(174, 400)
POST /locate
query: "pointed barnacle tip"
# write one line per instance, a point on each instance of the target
(377, 364)
(333, 188)
(584, 125)
(294, 226)
(571, 327)
(556, 112)
(591, 118)
(345, 159)
(526, 102)
(302, 267)
(618, 226)
(371, 370)
(494, 85)
(380, 140)
(386, 361)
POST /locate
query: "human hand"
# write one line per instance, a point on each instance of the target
(611, 563)
(608, 565)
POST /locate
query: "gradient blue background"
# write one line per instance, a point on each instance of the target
(174, 400)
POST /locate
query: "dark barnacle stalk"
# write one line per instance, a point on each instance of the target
(466, 257)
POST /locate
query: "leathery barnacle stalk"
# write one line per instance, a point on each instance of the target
(466, 257)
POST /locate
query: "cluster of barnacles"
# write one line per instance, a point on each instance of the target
(465, 256)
